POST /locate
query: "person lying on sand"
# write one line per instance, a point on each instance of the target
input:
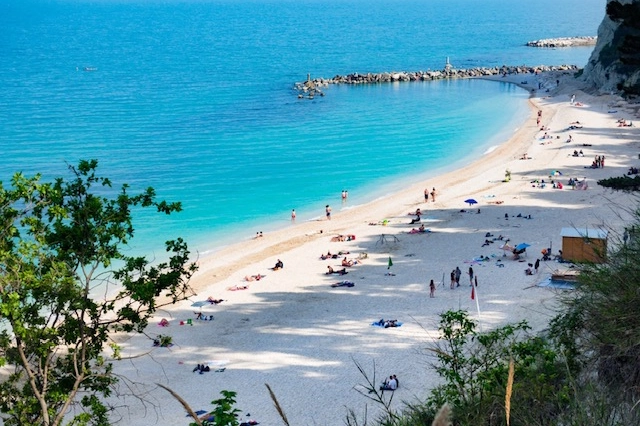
(330, 256)
(238, 287)
(254, 277)
(339, 238)
(387, 323)
(343, 284)
(330, 271)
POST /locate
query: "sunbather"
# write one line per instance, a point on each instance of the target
(238, 287)
(342, 271)
(257, 277)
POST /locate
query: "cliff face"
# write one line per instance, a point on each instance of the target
(614, 64)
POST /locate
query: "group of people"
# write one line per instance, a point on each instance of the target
(535, 267)
(623, 123)
(577, 153)
(598, 162)
(455, 277)
(578, 184)
(330, 255)
(390, 384)
(331, 271)
(421, 229)
(340, 238)
(348, 262)
(432, 193)
(386, 323)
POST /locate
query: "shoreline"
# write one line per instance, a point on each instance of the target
(364, 197)
(295, 332)
(309, 230)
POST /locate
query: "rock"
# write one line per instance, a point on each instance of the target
(614, 65)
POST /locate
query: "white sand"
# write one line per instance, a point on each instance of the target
(299, 335)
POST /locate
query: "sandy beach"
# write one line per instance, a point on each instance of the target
(297, 333)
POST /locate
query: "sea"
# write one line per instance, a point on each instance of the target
(196, 99)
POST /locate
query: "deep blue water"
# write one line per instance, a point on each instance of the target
(195, 98)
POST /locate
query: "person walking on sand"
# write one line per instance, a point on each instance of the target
(293, 215)
(453, 278)
(426, 195)
(458, 275)
(470, 276)
(432, 289)
(433, 195)
(327, 211)
(537, 265)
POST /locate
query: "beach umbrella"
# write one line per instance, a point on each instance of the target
(470, 201)
(390, 263)
(200, 303)
(522, 246)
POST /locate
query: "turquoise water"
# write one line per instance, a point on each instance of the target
(195, 98)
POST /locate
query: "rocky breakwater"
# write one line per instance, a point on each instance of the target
(564, 42)
(310, 87)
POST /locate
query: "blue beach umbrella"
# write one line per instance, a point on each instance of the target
(470, 201)
(522, 246)
(200, 303)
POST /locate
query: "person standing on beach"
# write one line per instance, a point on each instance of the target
(426, 195)
(433, 195)
(293, 215)
(432, 289)
(537, 265)
(470, 276)
(458, 275)
(327, 211)
(453, 278)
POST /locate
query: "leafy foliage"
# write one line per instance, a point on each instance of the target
(622, 183)
(475, 369)
(224, 413)
(59, 241)
(600, 322)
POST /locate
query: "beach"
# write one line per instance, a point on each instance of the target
(304, 338)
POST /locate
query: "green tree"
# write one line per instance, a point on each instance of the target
(59, 241)
(474, 367)
(599, 325)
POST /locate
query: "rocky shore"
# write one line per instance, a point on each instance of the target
(564, 42)
(312, 87)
